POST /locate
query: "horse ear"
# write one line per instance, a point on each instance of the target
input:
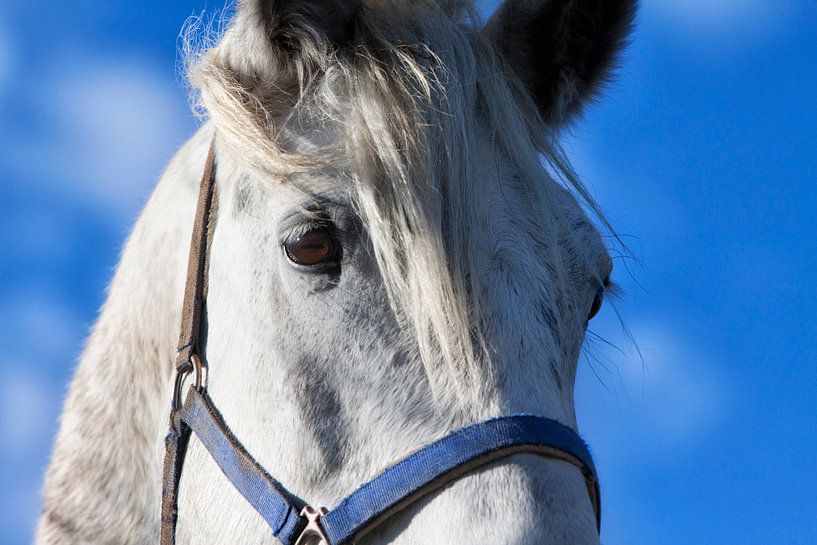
(288, 22)
(562, 49)
(294, 27)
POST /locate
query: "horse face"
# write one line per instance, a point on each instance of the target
(383, 272)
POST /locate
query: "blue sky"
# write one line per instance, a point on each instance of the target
(702, 153)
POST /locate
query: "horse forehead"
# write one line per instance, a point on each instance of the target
(534, 195)
(328, 187)
(518, 212)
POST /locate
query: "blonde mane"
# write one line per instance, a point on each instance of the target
(405, 103)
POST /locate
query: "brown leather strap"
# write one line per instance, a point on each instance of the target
(195, 293)
(195, 289)
(175, 450)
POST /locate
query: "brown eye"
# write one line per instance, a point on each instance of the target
(315, 247)
(596, 306)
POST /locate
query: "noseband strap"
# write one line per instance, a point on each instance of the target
(415, 476)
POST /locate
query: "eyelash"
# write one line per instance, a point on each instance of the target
(612, 290)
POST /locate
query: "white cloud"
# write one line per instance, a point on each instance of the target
(37, 234)
(27, 424)
(671, 402)
(106, 131)
(40, 339)
(119, 121)
(19, 510)
(6, 58)
(38, 335)
(641, 421)
(723, 18)
(29, 405)
(712, 9)
(42, 327)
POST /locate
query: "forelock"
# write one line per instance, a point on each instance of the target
(406, 101)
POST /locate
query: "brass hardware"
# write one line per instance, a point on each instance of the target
(313, 533)
(201, 376)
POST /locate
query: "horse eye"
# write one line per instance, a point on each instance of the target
(594, 309)
(315, 247)
(596, 306)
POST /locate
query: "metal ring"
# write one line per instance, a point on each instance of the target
(200, 384)
(200, 370)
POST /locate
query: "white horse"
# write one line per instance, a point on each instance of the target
(391, 261)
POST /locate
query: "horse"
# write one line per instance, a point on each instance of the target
(399, 248)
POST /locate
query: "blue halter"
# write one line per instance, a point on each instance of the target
(415, 476)
(419, 474)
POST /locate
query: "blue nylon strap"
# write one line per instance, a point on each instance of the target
(439, 463)
(268, 497)
(414, 477)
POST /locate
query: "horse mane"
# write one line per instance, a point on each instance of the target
(407, 100)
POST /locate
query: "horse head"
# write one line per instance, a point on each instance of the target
(399, 249)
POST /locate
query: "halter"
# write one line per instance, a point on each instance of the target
(291, 521)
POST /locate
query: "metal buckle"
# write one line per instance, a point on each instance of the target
(200, 371)
(313, 533)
